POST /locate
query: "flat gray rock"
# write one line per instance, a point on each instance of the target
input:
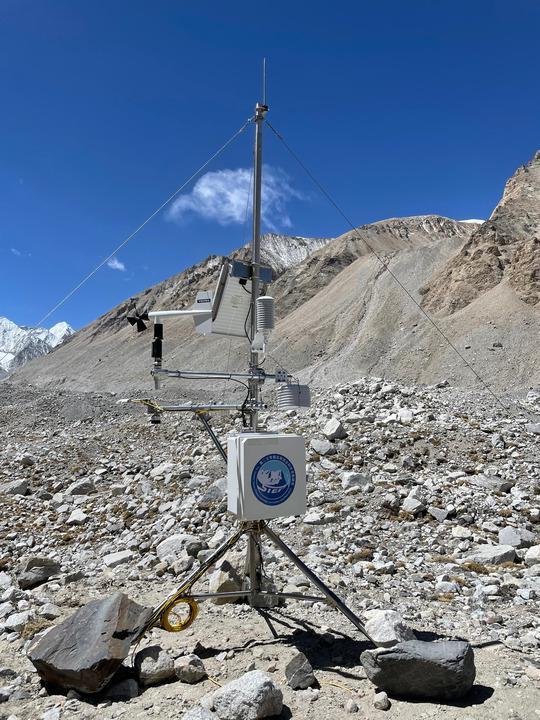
(85, 651)
(492, 554)
(34, 571)
(422, 670)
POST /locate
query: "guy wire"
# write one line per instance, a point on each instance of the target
(167, 201)
(385, 264)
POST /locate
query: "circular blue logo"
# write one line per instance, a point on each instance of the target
(273, 479)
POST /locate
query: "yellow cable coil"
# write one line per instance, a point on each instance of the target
(173, 623)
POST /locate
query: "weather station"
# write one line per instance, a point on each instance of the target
(266, 471)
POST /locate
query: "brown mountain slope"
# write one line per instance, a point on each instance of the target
(505, 248)
(108, 355)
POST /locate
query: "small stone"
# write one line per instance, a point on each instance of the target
(49, 611)
(532, 556)
(492, 554)
(334, 430)
(15, 487)
(121, 691)
(438, 513)
(351, 706)
(190, 669)
(299, 672)
(17, 621)
(85, 486)
(199, 713)
(516, 537)
(77, 517)
(323, 447)
(387, 628)
(355, 479)
(173, 546)
(252, 696)
(34, 571)
(413, 505)
(224, 579)
(153, 666)
(118, 558)
(381, 701)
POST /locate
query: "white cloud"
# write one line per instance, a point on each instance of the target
(16, 252)
(222, 196)
(115, 264)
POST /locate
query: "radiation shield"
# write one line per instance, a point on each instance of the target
(266, 475)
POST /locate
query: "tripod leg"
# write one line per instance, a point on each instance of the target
(191, 579)
(253, 562)
(254, 569)
(332, 597)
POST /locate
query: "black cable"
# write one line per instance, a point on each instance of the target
(387, 267)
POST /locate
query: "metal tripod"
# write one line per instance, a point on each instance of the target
(253, 529)
(255, 595)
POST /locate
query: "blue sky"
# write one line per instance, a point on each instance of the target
(400, 108)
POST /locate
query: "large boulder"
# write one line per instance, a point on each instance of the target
(252, 696)
(34, 571)
(85, 651)
(422, 670)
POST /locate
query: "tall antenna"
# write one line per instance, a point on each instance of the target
(254, 384)
(264, 81)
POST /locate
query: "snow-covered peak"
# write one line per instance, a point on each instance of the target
(284, 251)
(473, 221)
(19, 344)
(61, 331)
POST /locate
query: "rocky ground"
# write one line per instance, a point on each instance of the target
(423, 500)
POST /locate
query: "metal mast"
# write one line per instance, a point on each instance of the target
(254, 384)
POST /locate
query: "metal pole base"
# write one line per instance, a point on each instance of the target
(252, 591)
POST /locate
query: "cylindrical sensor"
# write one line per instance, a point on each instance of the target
(157, 349)
(293, 396)
(265, 314)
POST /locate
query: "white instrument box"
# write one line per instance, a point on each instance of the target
(266, 475)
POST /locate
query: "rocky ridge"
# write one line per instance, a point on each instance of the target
(506, 248)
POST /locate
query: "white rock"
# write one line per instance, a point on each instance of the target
(351, 479)
(532, 556)
(77, 517)
(251, 697)
(387, 628)
(334, 430)
(117, 558)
